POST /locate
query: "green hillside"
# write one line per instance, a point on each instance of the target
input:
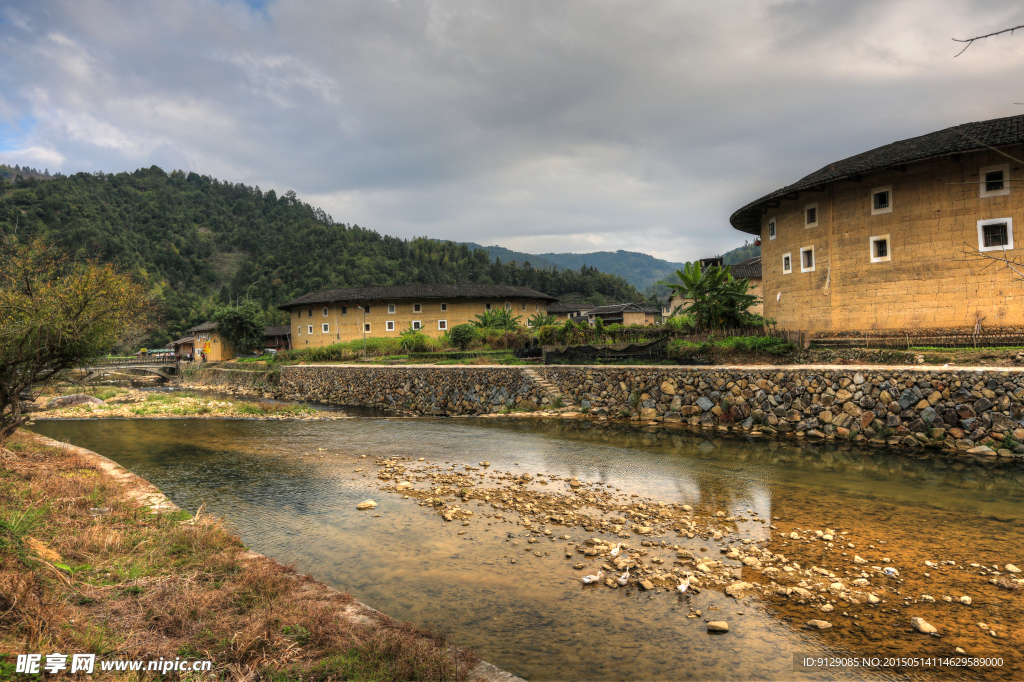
(197, 241)
(639, 269)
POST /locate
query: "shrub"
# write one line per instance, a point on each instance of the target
(462, 335)
(414, 341)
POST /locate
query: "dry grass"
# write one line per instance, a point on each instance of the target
(129, 583)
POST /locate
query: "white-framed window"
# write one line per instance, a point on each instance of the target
(880, 248)
(529, 322)
(881, 200)
(300, 330)
(390, 325)
(416, 324)
(487, 306)
(994, 180)
(444, 307)
(811, 215)
(807, 259)
(310, 330)
(995, 234)
(442, 325)
(417, 307)
(787, 263)
(326, 328)
(536, 306)
(391, 308)
(508, 306)
(366, 327)
(325, 312)
(771, 228)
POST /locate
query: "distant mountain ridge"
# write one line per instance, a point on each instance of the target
(639, 269)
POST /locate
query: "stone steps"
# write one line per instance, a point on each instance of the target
(549, 388)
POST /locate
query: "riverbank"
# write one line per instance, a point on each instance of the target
(96, 560)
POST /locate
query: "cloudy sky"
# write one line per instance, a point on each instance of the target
(536, 125)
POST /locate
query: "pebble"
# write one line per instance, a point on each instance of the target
(368, 504)
(921, 625)
(827, 608)
(718, 626)
(965, 600)
(819, 624)
(1010, 568)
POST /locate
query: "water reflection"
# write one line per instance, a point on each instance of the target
(291, 500)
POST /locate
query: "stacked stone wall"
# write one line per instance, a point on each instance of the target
(964, 410)
(232, 379)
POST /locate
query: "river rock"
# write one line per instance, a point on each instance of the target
(73, 400)
(718, 626)
(367, 504)
(819, 624)
(827, 608)
(859, 560)
(1010, 568)
(646, 584)
(740, 589)
(965, 600)
(403, 485)
(873, 599)
(921, 625)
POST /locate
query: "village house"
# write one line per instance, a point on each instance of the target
(749, 269)
(325, 317)
(183, 346)
(624, 314)
(277, 337)
(570, 311)
(208, 342)
(896, 238)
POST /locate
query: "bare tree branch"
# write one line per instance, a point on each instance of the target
(1013, 263)
(989, 35)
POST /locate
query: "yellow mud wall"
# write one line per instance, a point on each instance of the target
(934, 277)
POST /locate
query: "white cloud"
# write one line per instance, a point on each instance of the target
(577, 125)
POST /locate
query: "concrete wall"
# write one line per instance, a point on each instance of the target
(907, 407)
(928, 282)
(345, 321)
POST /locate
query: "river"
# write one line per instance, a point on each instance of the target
(289, 489)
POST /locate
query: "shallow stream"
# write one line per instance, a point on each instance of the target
(289, 499)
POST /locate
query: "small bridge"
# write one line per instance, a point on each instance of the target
(161, 367)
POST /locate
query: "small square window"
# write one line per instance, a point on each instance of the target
(444, 307)
(881, 200)
(811, 215)
(417, 307)
(310, 311)
(880, 251)
(787, 263)
(325, 312)
(310, 330)
(326, 328)
(442, 325)
(366, 327)
(416, 324)
(807, 259)
(771, 229)
(391, 308)
(344, 310)
(995, 234)
(994, 180)
(508, 306)
(390, 325)
(487, 306)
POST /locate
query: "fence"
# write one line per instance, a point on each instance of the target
(908, 341)
(132, 362)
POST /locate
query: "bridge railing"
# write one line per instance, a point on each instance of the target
(132, 362)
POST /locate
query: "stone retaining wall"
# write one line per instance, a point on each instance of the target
(981, 411)
(263, 381)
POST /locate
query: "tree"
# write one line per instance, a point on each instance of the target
(718, 299)
(462, 335)
(543, 320)
(497, 319)
(241, 326)
(57, 314)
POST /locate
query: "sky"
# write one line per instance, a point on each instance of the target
(538, 125)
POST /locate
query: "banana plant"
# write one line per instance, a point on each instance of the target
(717, 299)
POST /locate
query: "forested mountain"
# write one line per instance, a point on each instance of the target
(639, 269)
(12, 172)
(197, 241)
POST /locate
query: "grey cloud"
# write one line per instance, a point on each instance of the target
(537, 125)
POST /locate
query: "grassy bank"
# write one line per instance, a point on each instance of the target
(125, 403)
(87, 567)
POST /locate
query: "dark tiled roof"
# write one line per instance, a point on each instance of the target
(622, 307)
(416, 291)
(562, 308)
(750, 268)
(277, 330)
(204, 327)
(183, 340)
(966, 137)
